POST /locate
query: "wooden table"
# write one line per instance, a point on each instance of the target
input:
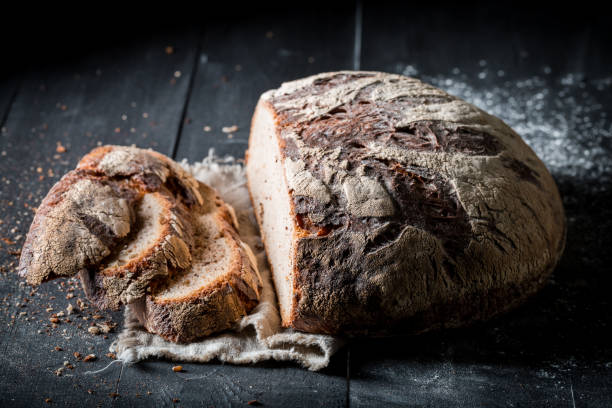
(174, 90)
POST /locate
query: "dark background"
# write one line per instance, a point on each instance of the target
(94, 73)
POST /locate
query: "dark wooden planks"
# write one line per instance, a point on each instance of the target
(536, 354)
(8, 90)
(131, 94)
(239, 60)
(248, 55)
(213, 384)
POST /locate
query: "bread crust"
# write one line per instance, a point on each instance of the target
(413, 209)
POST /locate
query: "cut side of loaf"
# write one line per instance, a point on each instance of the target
(221, 286)
(271, 204)
(386, 204)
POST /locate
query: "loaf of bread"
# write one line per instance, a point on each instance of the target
(135, 226)
(386, 204)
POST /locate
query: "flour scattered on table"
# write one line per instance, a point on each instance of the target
(564, 120)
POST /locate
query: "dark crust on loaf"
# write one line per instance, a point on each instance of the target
(433, 258)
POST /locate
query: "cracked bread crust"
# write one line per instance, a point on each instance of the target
(410, 205)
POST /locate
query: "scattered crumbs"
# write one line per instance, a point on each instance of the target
(177, 368)
(177, 74)
(169, 50)
(145, 115)
(124, 117)
(89, 357)
(94, 330)
(132, 130)
(48, 400)
(57, 348)
(229, 129)
(77, 355)
(117, 130)
(90, 391)
(111, 356)
(8, 241)
(60, 148)
(206, 128)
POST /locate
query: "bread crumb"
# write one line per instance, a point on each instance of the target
(177, 369)
(94, 330)
(60, 148)
(89, 357)
(229, 129)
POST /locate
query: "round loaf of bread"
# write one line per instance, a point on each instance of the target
(385, 202)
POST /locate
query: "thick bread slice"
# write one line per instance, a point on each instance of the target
(221, 286)
(385, 201)
(76, 226)
(158, 243)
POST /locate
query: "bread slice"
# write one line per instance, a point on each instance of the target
(221, 286)
(158, 243)
(130, 220)
(76, 226)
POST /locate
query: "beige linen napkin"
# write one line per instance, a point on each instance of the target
(258, 336)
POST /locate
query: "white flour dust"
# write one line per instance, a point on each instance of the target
(563, 120)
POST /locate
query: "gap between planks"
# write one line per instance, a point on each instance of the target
(194, 73)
